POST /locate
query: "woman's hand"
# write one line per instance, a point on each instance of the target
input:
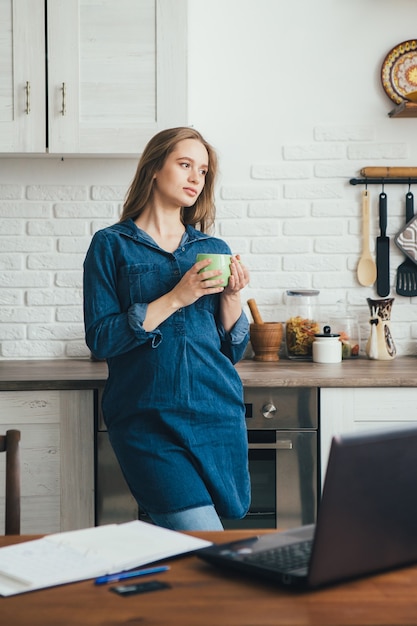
(239, 277)
(194, 285)
(189, 289)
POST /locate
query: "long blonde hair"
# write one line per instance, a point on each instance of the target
(202, 213)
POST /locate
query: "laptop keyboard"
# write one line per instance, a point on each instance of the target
(283, 558)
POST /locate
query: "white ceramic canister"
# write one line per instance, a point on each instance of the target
(327, 347)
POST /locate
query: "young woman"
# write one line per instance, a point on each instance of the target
(173, 402)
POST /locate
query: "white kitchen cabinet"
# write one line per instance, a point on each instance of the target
(115, 73)
(22, 76)
(57, 458)
(346, 410)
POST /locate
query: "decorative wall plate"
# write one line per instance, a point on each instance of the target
(399, 71)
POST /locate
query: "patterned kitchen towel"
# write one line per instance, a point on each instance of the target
(406, 239)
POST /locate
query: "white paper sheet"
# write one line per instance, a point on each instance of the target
(77, 555)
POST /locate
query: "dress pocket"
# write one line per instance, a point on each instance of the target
(142, 281)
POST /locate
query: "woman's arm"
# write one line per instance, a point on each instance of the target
(230, 301)
(110, 329)
(234, 329)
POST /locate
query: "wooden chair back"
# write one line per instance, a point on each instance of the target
(10, 444)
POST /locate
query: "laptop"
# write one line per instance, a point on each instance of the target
(366, 522)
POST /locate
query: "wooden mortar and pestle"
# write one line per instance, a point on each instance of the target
(265, 337)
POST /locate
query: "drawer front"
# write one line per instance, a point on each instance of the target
(387, 404)
(28, 407)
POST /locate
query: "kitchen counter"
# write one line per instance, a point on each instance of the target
(52, 374)
(401, 372)
(87, 374)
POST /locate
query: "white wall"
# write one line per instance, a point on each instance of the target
(290, 95)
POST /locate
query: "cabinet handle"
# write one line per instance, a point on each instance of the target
(27, 91)
(64, 96)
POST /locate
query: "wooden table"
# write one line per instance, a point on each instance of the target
(202, 595)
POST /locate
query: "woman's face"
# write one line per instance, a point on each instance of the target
(181, 179)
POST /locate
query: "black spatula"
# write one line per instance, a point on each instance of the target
(382, 250)
(407, 271)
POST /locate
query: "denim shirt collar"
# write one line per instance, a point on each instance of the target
(128, 228)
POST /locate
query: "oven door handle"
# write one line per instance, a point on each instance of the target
(281, 444)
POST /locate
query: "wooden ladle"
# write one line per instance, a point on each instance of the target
(366, 270)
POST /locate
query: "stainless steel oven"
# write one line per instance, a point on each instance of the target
(282, 426)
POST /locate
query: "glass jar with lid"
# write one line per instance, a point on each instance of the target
(302, 323)
(348, 328)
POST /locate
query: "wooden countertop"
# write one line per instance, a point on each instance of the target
(87, 374)
(52, 374)
(401, 372)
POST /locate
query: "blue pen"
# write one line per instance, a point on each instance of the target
(113, 578)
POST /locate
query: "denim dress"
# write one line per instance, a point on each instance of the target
(173, 401)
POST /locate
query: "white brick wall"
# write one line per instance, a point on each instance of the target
(45, 231)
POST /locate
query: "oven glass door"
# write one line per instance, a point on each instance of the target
(262, 512)
(283, 470)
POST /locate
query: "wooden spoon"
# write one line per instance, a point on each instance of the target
(366, 270)
(255, 311)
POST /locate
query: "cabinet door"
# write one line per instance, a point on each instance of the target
(56, 457)
(22, 76)
(116, 73)
(345, 410)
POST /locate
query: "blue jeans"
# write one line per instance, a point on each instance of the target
(199, 518)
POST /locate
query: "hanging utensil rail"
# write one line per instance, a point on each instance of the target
(406, 180)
